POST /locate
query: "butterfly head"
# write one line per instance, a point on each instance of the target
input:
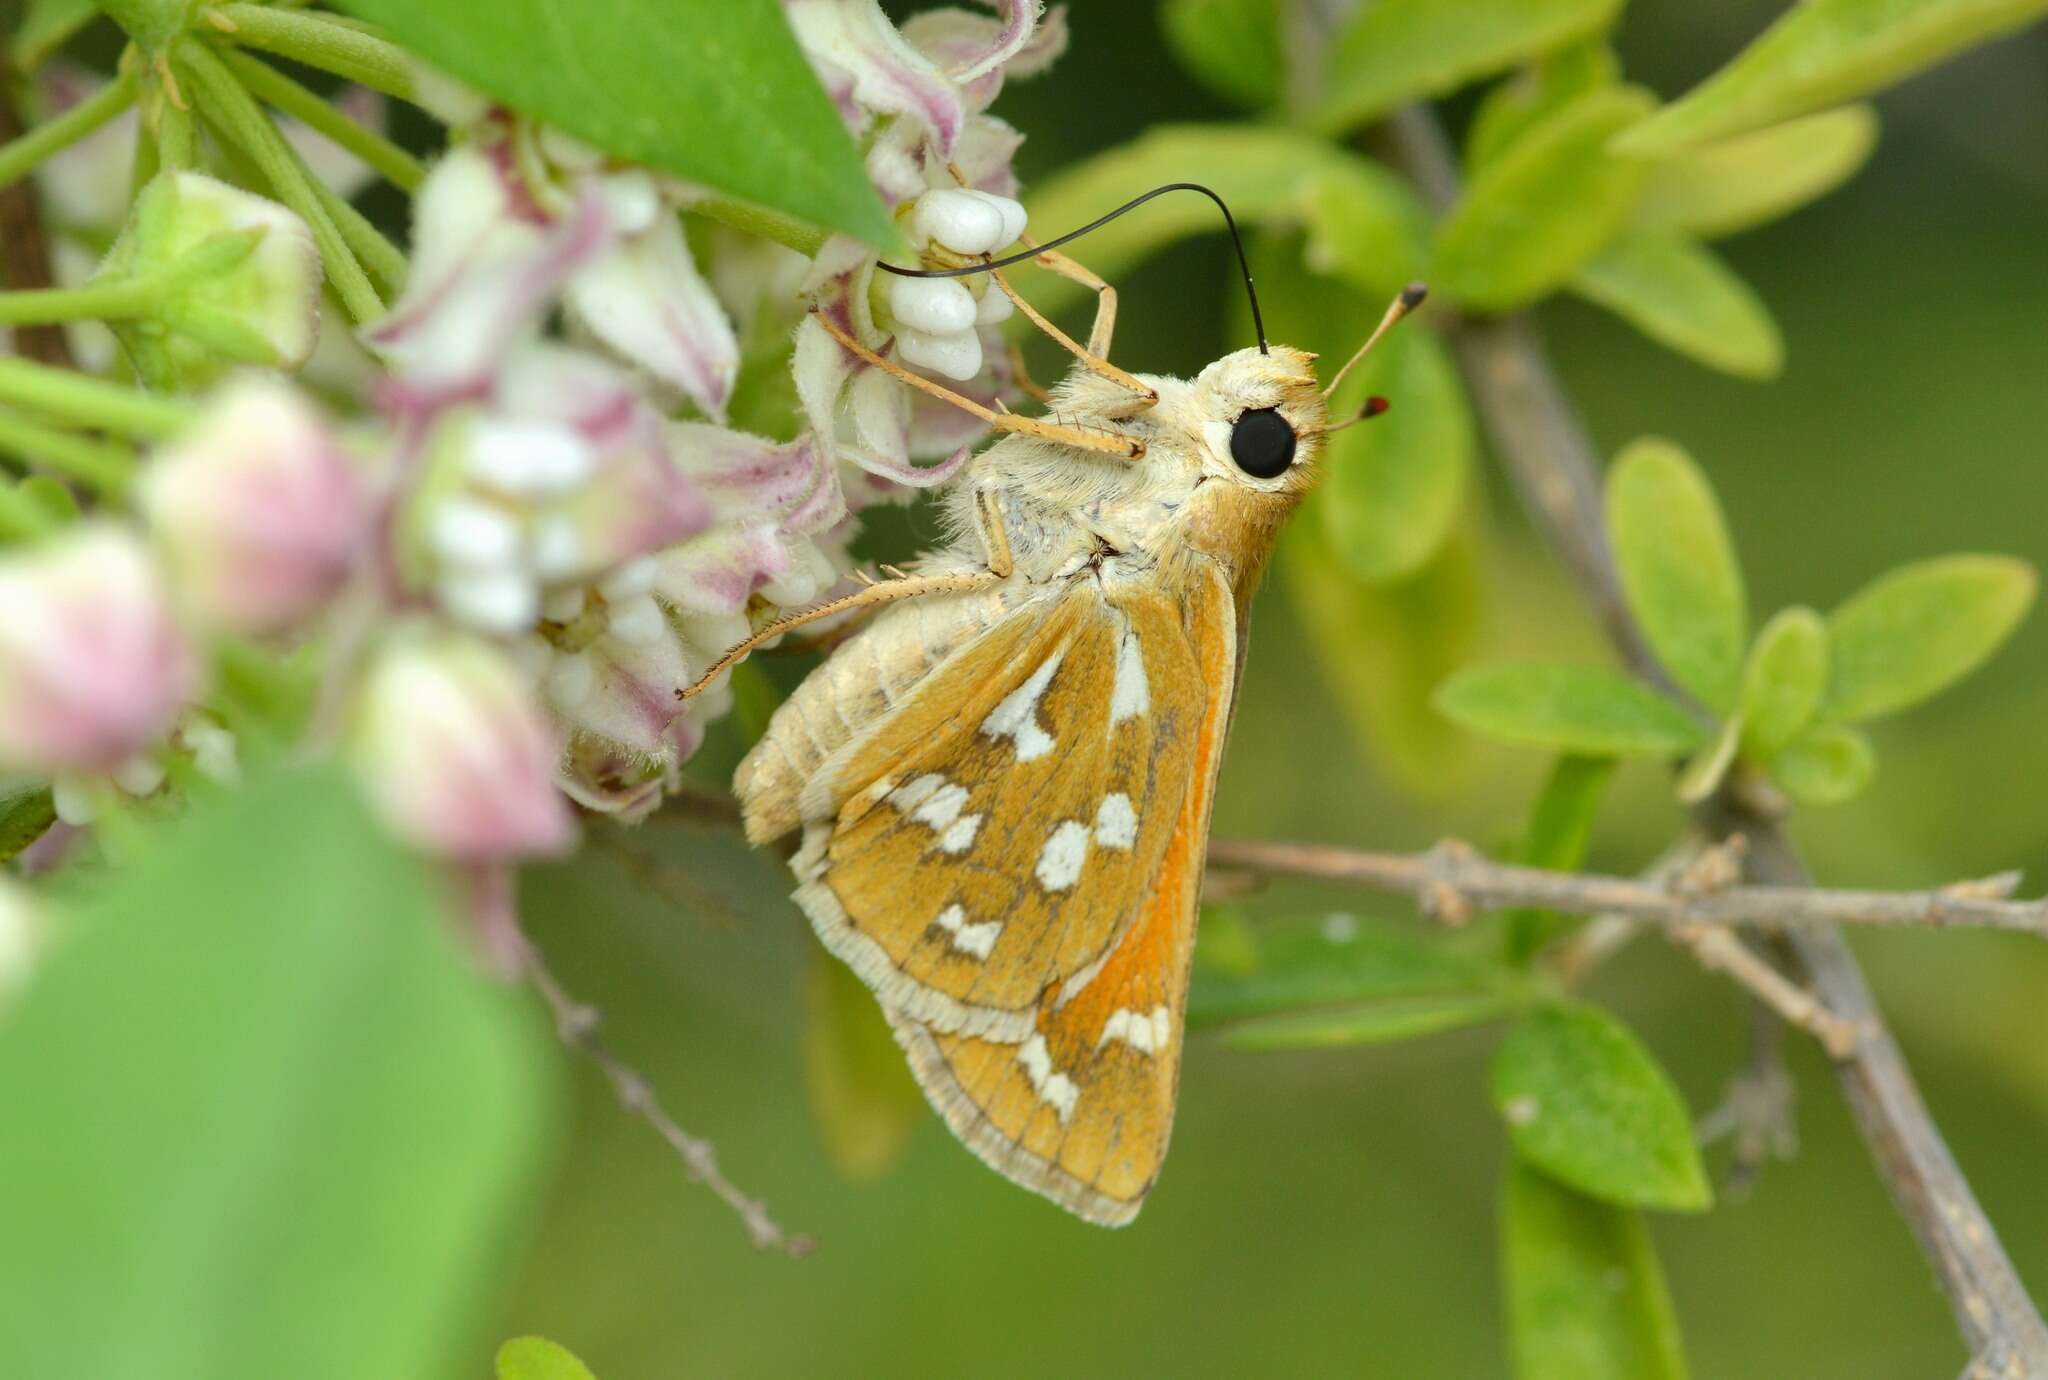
(1258, 420)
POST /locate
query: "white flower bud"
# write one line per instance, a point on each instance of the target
(1012, 212)
(936, 306)
(492, 601)
(964, 222)
(956, 356)
(995, 308)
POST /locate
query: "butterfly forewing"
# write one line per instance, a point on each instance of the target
(1081, 1108)
(990, 835)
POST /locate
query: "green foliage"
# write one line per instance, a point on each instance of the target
(1679, 293)
(45, 27)
(537, 1358)
(263, 1117)
(718, 94)
(1784, 682)
(1678, 569)
(1393, 51)
(26, 813)
(1325, 961)
(1825, 765)
(1544, 205)
(1364, 229)
(1586, 1299)
(1913, 633)
(1732, 184)
(1568, 708)
(1559, 829)
(1380, 1023)
(1510, 107)
(1821, 53)
(1234, 46)
(1586, 1103)
(862, 1097)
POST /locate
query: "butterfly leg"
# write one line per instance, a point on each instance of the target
(1092, 357)
(1105, 442)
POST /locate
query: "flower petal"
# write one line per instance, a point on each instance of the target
(647, 301)
(870, 70)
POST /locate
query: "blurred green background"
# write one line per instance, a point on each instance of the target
(1333, 1213)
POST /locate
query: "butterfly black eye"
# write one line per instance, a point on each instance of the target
(1262, 443)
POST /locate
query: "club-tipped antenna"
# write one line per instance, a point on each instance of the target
(1230, 223)
(1409, 299)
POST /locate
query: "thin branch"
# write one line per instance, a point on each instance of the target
(1451, 881)
(1539, 438)
(577, 1026)
(24, 247)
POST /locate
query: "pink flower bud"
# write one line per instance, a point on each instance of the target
(257, 510)
(92, 667)
(456, 754)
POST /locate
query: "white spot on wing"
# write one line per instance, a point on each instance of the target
(942, 806)
(1132, 695)
(1116, 823)
(1016, 718)
(1144, 1032)
(1054, 1088)
(960, 834)
(977, 940)
(1060, 861)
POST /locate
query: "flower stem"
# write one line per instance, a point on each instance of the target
(106, 468)
(234, 113)
(84, 401)
(21, 517)
(268, 84)
(369, 244)
(21, 156)
(93, 302)
(319, 41)
(177, 138)
(805, 238)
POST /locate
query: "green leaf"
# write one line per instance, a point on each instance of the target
(54, 498)
(1733, 184)
(1546, 204)
(1678, 569)
(1365, 229)
(47, 26)
(1568, 708)
(718, 94)
(1587, 1104)
(1911, 634)
(1394, 486)
(1516, 105)
(1586, 1299)
(1560, 827)
(1784, 682)
(537, 1358)
(1233, 46)
(264, 1116)
(862, 1095)
(1265, 173)
(1822, 53)
(1826, 765)
(1329, 960)
(1679, 293)
(27, 810)
(1393, 51)
(1380, 1023)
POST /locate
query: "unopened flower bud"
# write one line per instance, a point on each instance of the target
(967, 222)
(456, 755)
(92, 667)
(957, 356)
(936, 306)
(994, 308)
(257, 510)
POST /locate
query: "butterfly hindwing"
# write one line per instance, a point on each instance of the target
(985, 839)
(1081, 1108)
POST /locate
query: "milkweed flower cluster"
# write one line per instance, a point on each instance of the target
(517, 514)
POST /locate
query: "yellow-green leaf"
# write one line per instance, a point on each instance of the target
(1732, 184)
(1560, 826)
(1824, 52)
(1784, 681)
(1911, 634)
(1232, 45)
(1364, 228)
(1826, 765)
(1568, 708)
(1516, 104)
(1394, 51)
(1679, 293)
(862, 1095)
(1546, 204)
(1377, 1023)
(1326, 961)
(1586, 1299)
(1678, 568)
(537, 1358)
(1586, 1103)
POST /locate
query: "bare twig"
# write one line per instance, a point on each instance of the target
(1452, 881)
(577, 1026)
(1545, 449)
(24, 248)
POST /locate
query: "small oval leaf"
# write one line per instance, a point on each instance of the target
(1586, 1299)
(1586, 1103)
(1285, 966)
(1233, 46)
(1784, 682)
(1515, 105)
(1911, 634)
(1568, 708)
(537, 1358)
(1548, 203)
(1560, 826)
(1733, 184)
(1679, 293)
(1823, 52)
(1380, 1023)
(1393, 51)
(1826, 765)
(1678, 568)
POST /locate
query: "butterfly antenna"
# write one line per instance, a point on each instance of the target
(1409, 299)
(1237, 242)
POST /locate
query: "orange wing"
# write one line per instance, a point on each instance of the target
(1080, 1109)
(985, 840)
